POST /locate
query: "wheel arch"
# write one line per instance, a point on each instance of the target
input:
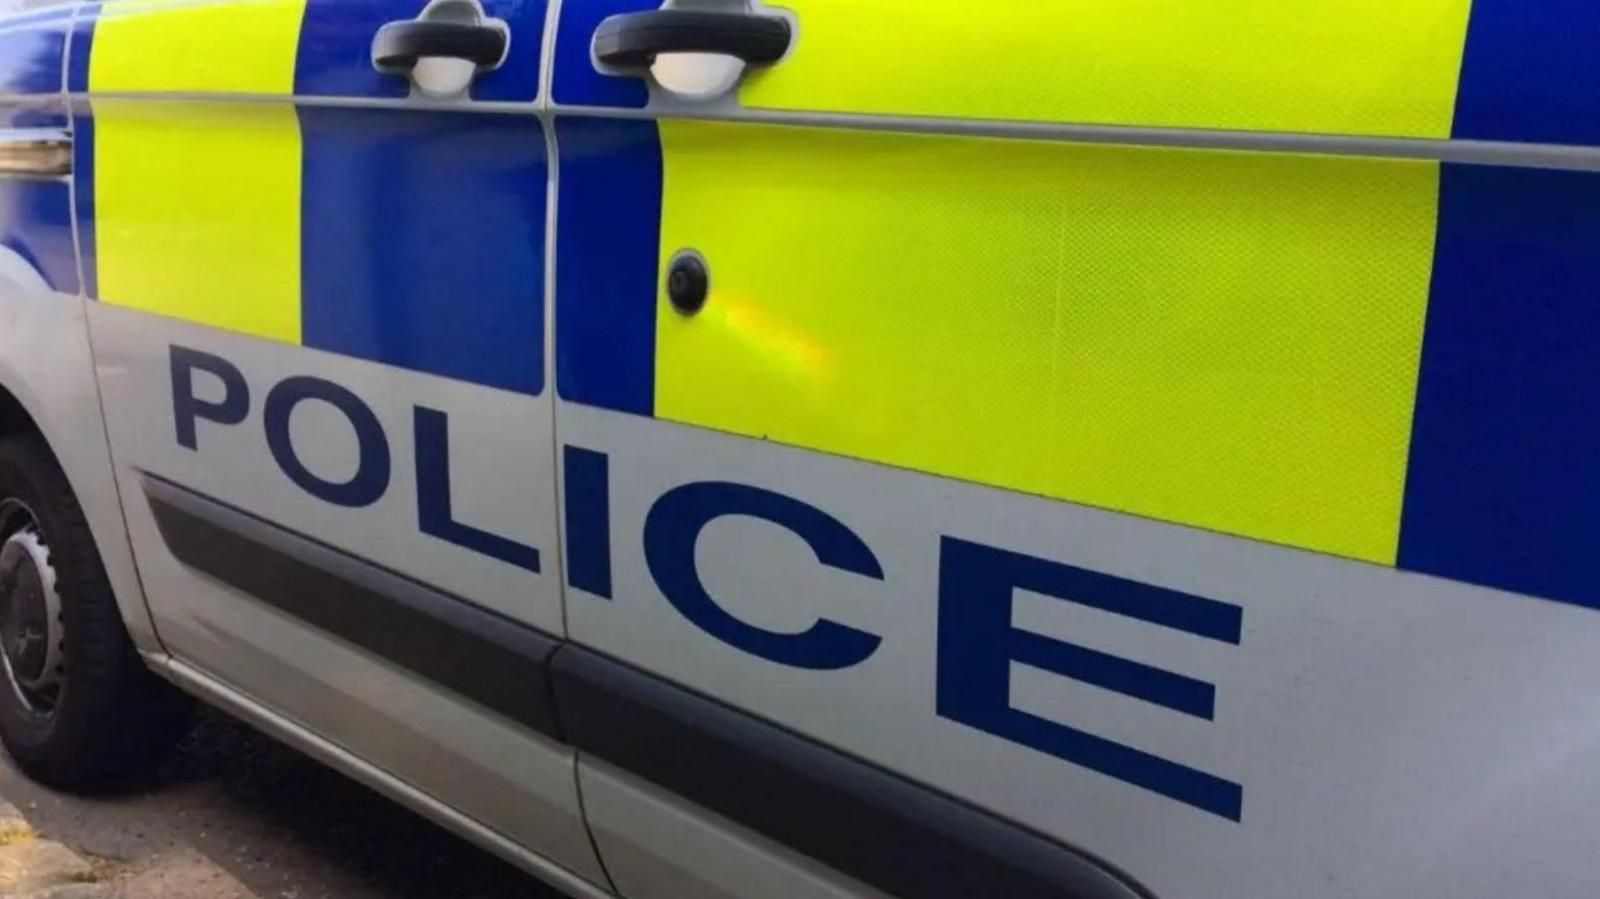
(48, 387)
(15, 418)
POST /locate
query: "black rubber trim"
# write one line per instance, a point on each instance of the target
(632, 40)
(868, 823)
(477, 654)
(398, 45)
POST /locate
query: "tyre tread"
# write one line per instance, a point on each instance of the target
(114, 717)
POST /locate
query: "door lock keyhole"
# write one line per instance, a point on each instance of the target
(688, 282)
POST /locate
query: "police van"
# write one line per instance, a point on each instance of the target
(817, 448)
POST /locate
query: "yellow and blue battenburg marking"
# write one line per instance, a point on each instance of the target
(1387, 360)
(1382, 359)
(400, 236)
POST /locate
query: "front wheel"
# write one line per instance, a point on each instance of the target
(77, 705)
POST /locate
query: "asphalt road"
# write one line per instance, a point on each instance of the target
(280, 823)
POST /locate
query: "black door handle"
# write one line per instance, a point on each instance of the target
(632, 40)
(398, 45)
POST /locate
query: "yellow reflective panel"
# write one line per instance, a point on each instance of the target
(1226, 340)
(197, 212)
(238, 46)
(1374, 67)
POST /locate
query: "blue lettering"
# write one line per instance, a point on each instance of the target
(977, 645)
(371, 479)
(187, 408)
(672, 528)
(434, 517)
(588, 513)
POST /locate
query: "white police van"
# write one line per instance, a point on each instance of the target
(810, 448)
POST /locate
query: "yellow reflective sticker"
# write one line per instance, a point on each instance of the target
(197, 212)
(1371, 67)
(238, 46)
(1225, 340)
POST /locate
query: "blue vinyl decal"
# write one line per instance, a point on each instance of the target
(36, 223)
(672, 530)
(1504, 483)
(607, 249)
(33, 50)
(371, 478)
(577, 81)
(335, 55)
(587, 517)
(83, 198)
(423, 241)
(36, 214)
(1531, 72)
(435, 517)
(977, 644)
(80, 46)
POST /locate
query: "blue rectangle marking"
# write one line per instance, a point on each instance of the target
(577, 81)
(33, 50)
(83, 198)
(607, 255)
(423, 238)
(36, 224)
(1531, 72)
(1504, 481)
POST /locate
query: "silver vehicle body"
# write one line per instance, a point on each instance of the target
(652, 655)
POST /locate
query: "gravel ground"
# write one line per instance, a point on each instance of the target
(279, 823)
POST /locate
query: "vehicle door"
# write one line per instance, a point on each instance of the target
(1161, 426)
(314, 233)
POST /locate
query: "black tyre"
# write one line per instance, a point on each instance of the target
(77, 705)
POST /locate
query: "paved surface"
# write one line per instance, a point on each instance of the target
(33, 867)
(237, 807)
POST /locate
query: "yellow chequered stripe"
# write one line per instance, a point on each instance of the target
(197, 204)
(241, 46)
(1368, 67)
(1226, 340)
(197, 212)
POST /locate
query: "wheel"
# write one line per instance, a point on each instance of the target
(77, 705)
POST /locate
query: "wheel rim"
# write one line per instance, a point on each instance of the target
(30, 611)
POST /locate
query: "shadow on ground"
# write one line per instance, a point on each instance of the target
(284, 825)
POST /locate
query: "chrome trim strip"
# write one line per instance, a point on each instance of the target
(1474, 152)
(479, 656)
(247, 708)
